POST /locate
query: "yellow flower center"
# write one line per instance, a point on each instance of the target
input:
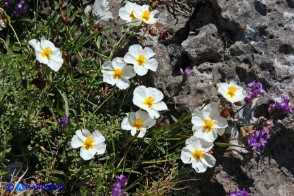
(146, 15)
(141, 59)
(132, 16)
(88, 143)
(117, 73)
(138, 123)
(208, 125)
(46, 52)
(198, 154)
(231, 92)
(149, 101)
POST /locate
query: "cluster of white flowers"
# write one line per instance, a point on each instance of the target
(207, 125)
(118, 73)
(135, 14)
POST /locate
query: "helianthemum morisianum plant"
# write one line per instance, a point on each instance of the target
(90, 144)
(47, 53)
(144, 14)
(137, 122)
(207, 123)
(149, 99)
(231, 91)
(197, 153)
(118, 73)
(142, 59)
(127, 13)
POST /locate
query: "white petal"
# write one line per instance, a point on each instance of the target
(80, 135)
(197, 119)
(125, 125)
(76, 142)
(46, 43)
(151, 64)
(153, 113)
(118, 62)
(86, 133)
(148, 52)
(100, 148)
(199, 167)
(128, 72)
(108, 78)
(87, 154)
(36, 45)
(140, 93)
(55, 63)
(208, 136)
(123, 83)
(98, 137)
(140, 70)
(208, 160)
(186, 155)
(135, 50)
(130, 58)
(142, 132)
(160, 106)
(133, 131)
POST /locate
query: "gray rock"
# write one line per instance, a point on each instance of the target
(242, 41)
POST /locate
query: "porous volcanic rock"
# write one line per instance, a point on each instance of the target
(244, 41)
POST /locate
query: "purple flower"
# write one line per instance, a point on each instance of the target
(188, 71)
(255, 89)
(282, 107)
(21, 8)
(118, 186)
(258, 139)
(8, 3)
(63, 121)
(239, 193)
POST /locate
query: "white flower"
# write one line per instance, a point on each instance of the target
(117, 73)
(149, 99)
(91, 144)
(47, 53)
(231, 92)
(141, 59)
(208, 123)
(143, 13)
(2, 24)
(196, 152)
(127, 13)
(3, 19)
(138, 121)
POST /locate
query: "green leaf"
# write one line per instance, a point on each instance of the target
(174, 118)
(65, 102)
(222, 144)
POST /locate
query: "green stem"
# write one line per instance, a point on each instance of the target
(118, 43)
(14, 33)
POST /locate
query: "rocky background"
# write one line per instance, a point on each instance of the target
(223, 40)
(241, 40)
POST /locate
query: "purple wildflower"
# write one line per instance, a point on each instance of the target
(8, 3)
(239, 193)
(188, 71)
(63, 121)
(282, 107)
(255, 89)
(21, 8)
(118, 186)
(258, 139)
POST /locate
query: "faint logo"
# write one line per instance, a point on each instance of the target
(20, 187)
